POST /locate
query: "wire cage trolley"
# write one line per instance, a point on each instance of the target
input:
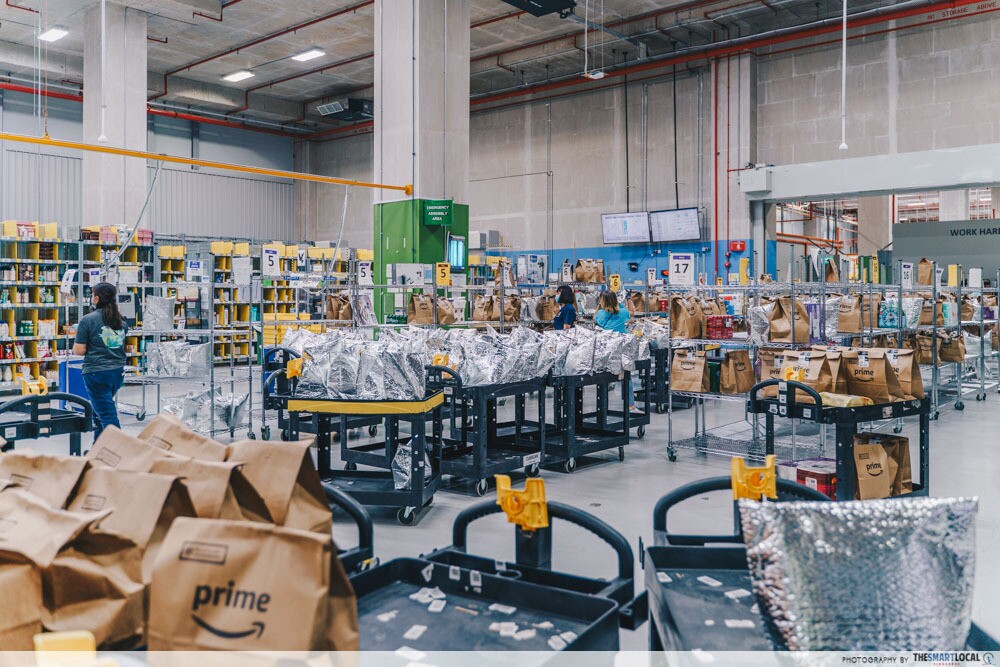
(476, 446)
(845, 421)
(34, 416)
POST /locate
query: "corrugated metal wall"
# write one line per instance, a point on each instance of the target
(206, 204)
(41, 187)
(49, 188)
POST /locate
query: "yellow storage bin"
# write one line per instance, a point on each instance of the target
(221, 247)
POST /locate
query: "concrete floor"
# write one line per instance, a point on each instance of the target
(623, 495)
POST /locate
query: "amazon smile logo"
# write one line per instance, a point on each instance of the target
(256, 628)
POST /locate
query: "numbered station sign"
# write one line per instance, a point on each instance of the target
(442, 274)
(681, 268)
(615, 282)
(365, 273)
(269, 264)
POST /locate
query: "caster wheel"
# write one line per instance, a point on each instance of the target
(981, 397)
(482, 486)
(640, 432)
(251, 435)
(232, 433)
(621, 452)
(140, 416)
(351, 466)
(265, 433)
(959, 405)
(661, 409)
(285, 435)
(897, 429)
(406, 516)
(671, 456)
(373, 430)
(533, 470)
(570, 465)
(935, 415)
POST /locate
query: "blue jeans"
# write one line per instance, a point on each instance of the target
(102, 387)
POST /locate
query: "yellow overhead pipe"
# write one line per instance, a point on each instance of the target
(277, 173)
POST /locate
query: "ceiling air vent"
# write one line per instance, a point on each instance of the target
(543, 7)
(329, 109)
(356, 109)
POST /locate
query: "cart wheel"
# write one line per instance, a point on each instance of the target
(251, 435)
(373, 430)
(140, 415)
(351, 466)
(621, 452)
(980, 397)
(482, 486)
(533, 470)
(672, 456)
(285, 435)
(640, 432)
(897, 429)
(959, 405)
(570, 465)
(661, 408)
(265, 432)
(406, 516)
(935, 415)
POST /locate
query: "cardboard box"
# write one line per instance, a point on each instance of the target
(819, 474)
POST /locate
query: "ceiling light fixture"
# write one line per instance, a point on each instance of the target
(311, 54)
(53, 35)
(238, 76)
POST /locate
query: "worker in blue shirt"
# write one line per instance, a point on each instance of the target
(612, 318)
(566, 317)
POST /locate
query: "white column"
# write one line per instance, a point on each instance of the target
(995, 203)
(953, 205)
(422, 96)
(874, 224)
(114, 187)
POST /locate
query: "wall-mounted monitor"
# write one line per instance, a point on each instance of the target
(675, 225)
(625, 227)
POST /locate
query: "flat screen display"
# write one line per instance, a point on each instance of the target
(675, 225)
(625, 227)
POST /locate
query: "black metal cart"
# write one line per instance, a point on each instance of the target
(476, 446)
(574, 432)
(640, 380)
(361, 557)
(34, 416)
(274, 359)
(846, 422)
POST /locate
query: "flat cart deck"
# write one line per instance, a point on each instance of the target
(31, 417)
(845, 421)
(475, 445)
(574, 432)
(550, 619)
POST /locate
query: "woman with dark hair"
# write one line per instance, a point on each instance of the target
(100, 338)
(566, 317)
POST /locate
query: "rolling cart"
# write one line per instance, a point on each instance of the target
(576, 432)
(274, 359)
(845, 422)
(361, 557)
(642, 393)
(533, 548)
(478, 446)
(34, 416)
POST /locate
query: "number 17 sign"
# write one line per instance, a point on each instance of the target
(681, 268)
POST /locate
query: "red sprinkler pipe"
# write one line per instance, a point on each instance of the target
(27, 9)
(715, 156)
(44, 93)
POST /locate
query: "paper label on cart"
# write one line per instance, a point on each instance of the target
(782, 411)
(544, 625)
(415, 632)
(709, 581)
(387, 616)
(773, 409)
(435, 593)
(782, 398)
(862, 359)
(886, 413)
(663, 578)
(528, 633)
(569, 637)
(807, 413)
(427, 572)
(500, 566)
(556, 643)
(508, 629)
(411, 654)
(454, 573)
(738, 593)
(531, 459)
(437, 606)
(755, 609)
(502, 608)
(740, 623)
(782, 386)
(475, 578)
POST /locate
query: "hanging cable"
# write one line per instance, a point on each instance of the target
(128, 240)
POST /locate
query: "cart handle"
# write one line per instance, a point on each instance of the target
(88, 409)
(787, 490)
(444, 369)
(271, 351)
(617, 541)
(792, 385)
(355, 510)
(270, 379)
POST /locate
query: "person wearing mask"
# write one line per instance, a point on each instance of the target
(612, 318)
(566, 317)
(100, 339)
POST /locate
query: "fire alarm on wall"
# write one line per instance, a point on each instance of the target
(737, 246)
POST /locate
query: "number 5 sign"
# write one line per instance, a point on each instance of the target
(681, 268)
(269, 265)
(443, 274)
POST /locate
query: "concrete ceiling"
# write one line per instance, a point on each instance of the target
(194, 48)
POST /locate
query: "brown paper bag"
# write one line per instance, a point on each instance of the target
(817, 374)
(504, 273)
(689, 372)
(968, 309)
(218, 490)
(874, 475)
(172, 435)
(870, 374)
(284, 476)
(952, 348)
(637, 303)
(771, 362)
(897, 450)
(782, 316)
(21, 617)
(926, 344)
(832, 272)
(145, 522)
(904, 362)
(589, 271)
(90, 577)
(511, 309)
(858, 313)
(338, 307)
(51, 478)
(736, 376)
(116, 449)
(925, 272)
(227, 585)
(446, 311)
(547, 308)
(420, 309)
(835, 360)
(931, 313)
(686, 318)
(482, 309)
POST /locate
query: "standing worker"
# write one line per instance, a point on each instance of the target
(100, 338)
(566, 317)
(612, 318)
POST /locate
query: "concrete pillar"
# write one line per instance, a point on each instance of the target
(874, 224)
(422, 97)
(953, 205)
(114, 187)
(995, 203)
